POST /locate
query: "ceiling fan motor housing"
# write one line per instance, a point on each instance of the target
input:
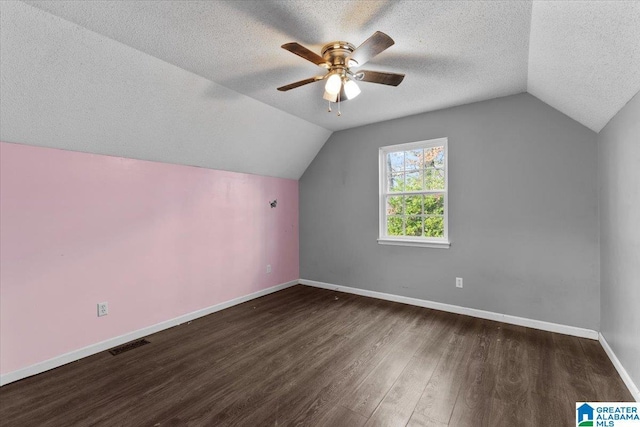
(336, 54)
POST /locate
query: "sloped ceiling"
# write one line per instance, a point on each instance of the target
(584, 57)
(452, 52)
(208, 70)
(63, 86)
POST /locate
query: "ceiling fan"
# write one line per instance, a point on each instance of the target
(339, 58)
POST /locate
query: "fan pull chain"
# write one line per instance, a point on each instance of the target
(329, 110)
(339, 112)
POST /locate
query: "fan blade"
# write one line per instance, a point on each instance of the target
(372, 46)
(303, 52)
(300, 83)
(391, 79)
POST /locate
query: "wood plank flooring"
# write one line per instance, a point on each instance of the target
(313, 357)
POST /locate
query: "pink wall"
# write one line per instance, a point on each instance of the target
(154, 240)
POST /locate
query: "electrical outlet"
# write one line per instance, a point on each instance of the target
(103, 309)
(458, 282)
(268, 268)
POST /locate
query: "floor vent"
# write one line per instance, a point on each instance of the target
(128, 346)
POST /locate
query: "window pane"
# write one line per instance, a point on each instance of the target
(394, 226)
(395, 205)
(396, 182)
(413, 159)
(434, 179)
(414, 191)
(395, 161)
(413, 205)
(434, 226)
(434, 157)
(434, 204)
(413, 180)
(414, 226)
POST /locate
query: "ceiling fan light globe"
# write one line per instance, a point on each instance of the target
(333, 85)
(331, 97)
(351, 89)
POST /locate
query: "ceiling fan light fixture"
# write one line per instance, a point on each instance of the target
(351, 89)
(334, 84)
(331, 97)
(337, 57)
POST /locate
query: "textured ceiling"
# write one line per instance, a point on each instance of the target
(194, 82)
(584, 57)
(64, 86)
(452, 52)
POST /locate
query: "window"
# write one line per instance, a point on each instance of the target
(413, 194)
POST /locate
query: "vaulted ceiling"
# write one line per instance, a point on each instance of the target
(582, 58)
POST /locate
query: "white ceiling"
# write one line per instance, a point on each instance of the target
(63, 86)
(584, 56)
(194, 82)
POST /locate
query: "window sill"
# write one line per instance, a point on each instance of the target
(440, 244)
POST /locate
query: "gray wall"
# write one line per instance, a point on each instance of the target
(619, 179)
(523, 213)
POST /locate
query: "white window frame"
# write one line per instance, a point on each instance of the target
(427, 242)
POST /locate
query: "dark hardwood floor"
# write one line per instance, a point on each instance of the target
(306, 356)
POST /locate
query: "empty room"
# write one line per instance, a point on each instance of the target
(319, 213)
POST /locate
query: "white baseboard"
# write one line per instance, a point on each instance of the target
(505, 318)
(521, 321)
(489, 315)
(72, 356)
(633, 389)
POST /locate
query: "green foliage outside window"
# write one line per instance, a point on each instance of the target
(416, 214)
